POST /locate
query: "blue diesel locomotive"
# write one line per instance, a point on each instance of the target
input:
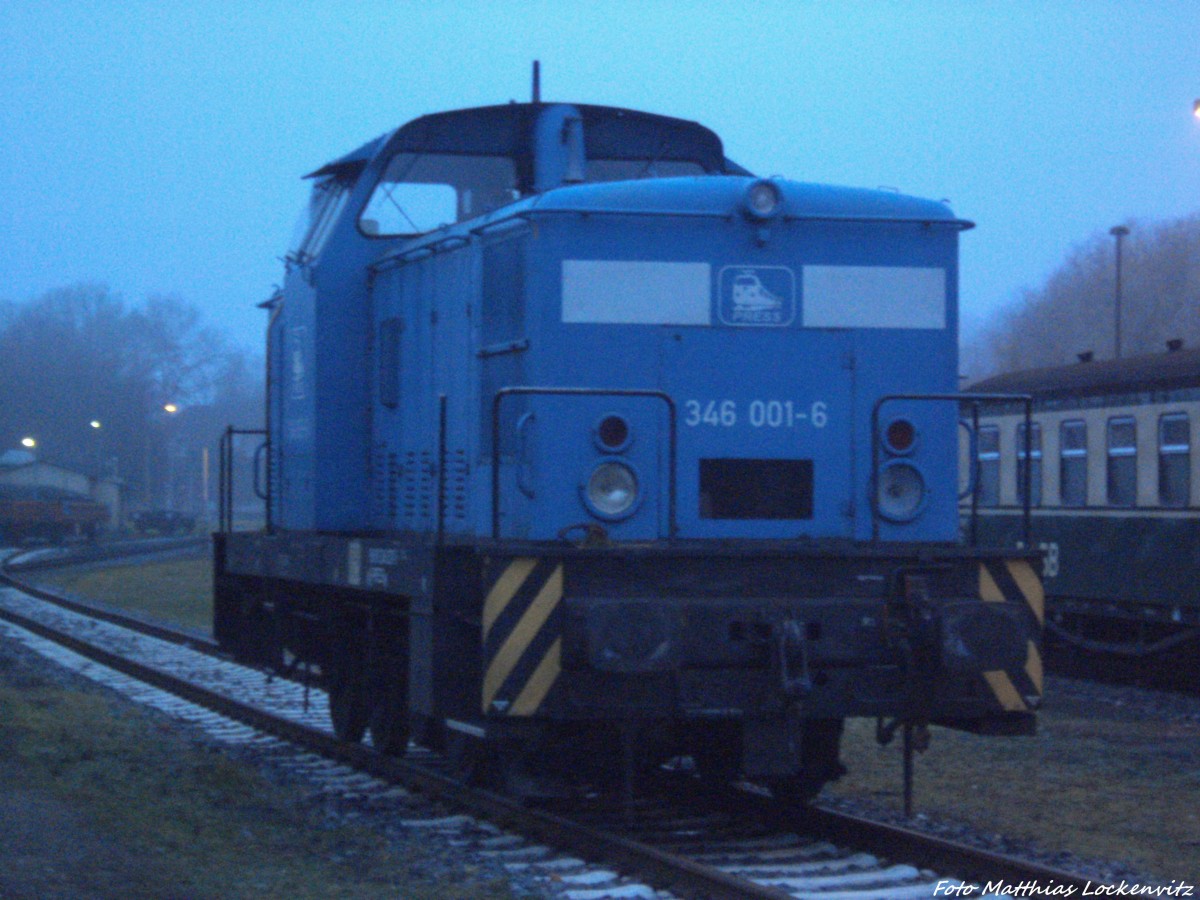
(582, 438)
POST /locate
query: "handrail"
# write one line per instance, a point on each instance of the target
(225, 477)
(500, 395)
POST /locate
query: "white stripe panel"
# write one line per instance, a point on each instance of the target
(874, 297)
(623, 292)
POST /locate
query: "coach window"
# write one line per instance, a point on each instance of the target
(1035, 466)
(989, 465)
(1174, 459)
(1072, 464)
(1122, 461)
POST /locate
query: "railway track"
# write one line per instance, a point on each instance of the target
(676, 841)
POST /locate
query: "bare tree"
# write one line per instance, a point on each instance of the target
(1075, 311)
(88, 377)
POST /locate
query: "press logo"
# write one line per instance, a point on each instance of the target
(757, 295)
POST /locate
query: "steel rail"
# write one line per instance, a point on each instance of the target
(929, 851)
(192, 639)
(897, 842)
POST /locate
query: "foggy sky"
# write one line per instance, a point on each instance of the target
(158, 147)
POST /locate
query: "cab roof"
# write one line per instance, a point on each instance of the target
(508, 131)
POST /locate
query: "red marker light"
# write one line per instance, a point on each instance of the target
(900, 435)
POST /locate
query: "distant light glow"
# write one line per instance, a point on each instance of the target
(170, 407)
(28, 442)
(1196, 109)
(95, 423)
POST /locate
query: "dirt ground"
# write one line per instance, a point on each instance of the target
(1109, 784)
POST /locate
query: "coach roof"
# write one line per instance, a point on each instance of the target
(1158, 371)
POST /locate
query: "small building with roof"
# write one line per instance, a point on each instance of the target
(24, 476)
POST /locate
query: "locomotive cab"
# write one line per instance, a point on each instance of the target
(578, 432)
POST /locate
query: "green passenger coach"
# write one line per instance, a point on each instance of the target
(1114, 487)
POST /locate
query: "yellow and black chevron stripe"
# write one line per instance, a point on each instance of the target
(522, 636)
(1014, 581)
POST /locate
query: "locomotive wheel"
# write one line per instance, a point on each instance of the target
(475, 761)
(796, 792)
(389, 713)
(717, 755)
(348, 707)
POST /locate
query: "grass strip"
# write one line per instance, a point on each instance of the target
(101, 799)
(177, 592)
(1100, 782)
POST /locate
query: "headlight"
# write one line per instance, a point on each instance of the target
(763, 199)
(612, 490)
(901, 492)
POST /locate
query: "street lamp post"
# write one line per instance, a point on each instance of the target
(97, 448)
(1119, 232)
(171, 409)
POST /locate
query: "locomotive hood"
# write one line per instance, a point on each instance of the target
(798, 200)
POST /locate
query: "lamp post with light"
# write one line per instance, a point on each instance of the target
(1119, 232)
(98, 447)
(158, 474)
(171, 409)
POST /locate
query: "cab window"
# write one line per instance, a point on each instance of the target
(634, 169)
(316, 220)
(421, 192)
